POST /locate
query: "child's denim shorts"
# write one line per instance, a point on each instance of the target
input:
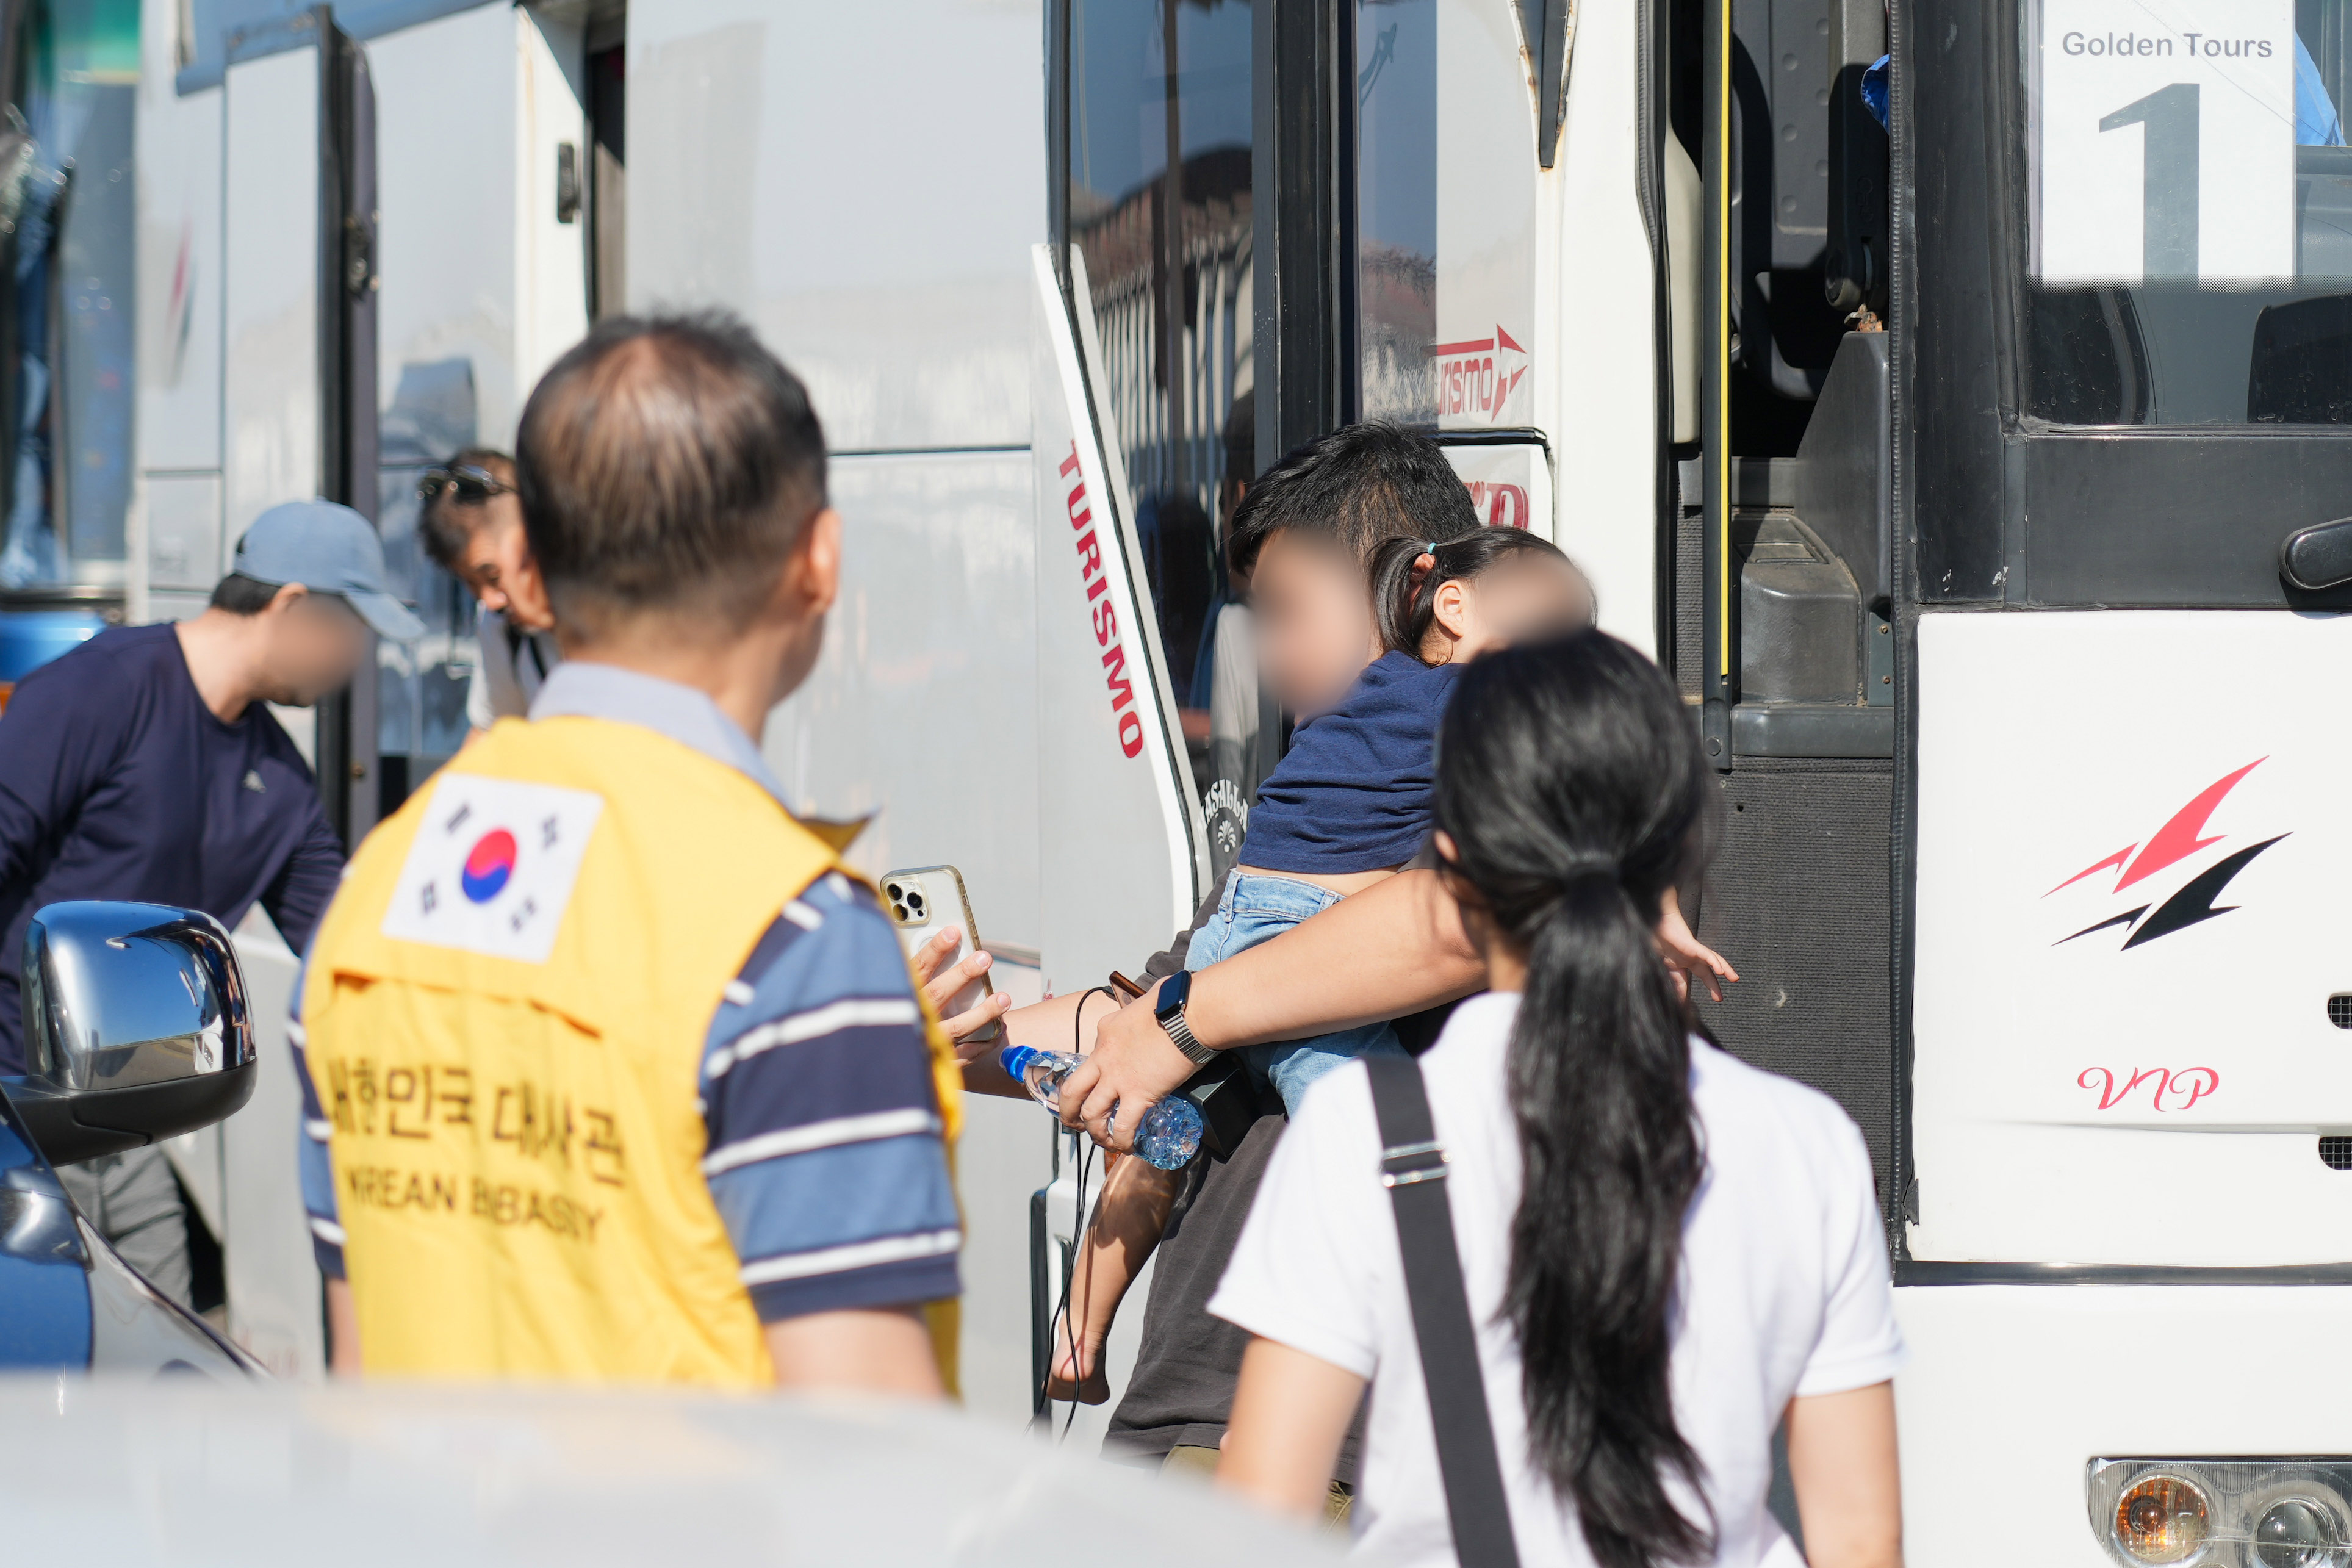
(1255, 909)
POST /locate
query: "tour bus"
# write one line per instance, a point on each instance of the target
(1951, 395)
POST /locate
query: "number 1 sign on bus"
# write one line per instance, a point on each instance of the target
(2164, 143)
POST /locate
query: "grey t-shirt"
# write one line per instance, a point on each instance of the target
(1185, 1369)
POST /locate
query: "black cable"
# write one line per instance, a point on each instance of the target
(1061, 1317)
(1077, 1249)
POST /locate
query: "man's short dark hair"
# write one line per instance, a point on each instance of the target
(1358, 486)
(667, 463)
(1240, 437)
(242, 595)
(447, 525)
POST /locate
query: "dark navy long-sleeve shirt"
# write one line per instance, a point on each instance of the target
(117, 781)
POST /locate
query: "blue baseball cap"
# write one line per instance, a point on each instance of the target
(329, 549)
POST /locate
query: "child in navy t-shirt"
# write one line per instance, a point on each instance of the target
(1348, 803)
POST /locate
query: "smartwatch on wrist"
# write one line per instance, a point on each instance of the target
(1174, 992)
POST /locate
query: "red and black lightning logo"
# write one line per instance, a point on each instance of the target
(2177, 840)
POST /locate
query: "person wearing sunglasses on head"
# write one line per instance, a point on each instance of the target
(471, 520)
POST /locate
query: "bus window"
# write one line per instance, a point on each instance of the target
(1165, 245)
(66, 341)
(1444, 286)
(2189, 227)
(1396, 207)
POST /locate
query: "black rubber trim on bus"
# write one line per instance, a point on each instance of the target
(1652, 122)
(1903, 609)
(1493, 436)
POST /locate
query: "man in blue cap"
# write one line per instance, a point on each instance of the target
(145, 764)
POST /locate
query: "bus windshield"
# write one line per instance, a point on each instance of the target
(2189, 237)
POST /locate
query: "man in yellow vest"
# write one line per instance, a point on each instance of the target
(612, 1071)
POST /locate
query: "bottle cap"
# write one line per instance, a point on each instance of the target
(1015, 1060)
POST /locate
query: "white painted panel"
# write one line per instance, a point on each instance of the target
(2097, 1079)
(1118, 847)
(177, 606)
(184, 548)
(271, 1273)
(862, 181)
(2011, 1390)
(1510, 487)
(1006, 1152)
(447, 118)
(1604, 431)
(551, 258)
(196, 1160)
(922, 705)
(270, 379)
(178, 151)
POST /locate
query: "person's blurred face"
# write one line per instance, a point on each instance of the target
(1520, 598)
(1314, 630)
(312, 645)
(498, 565)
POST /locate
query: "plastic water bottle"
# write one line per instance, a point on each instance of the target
(1170, 1134)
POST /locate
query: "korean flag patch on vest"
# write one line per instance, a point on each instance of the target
(492, 866)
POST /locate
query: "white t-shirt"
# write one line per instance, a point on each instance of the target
(1785, 1288)
(508, 671)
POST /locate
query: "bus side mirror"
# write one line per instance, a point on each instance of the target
(2319, 556)
(135, 1028)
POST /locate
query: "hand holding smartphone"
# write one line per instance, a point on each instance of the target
(924, 901)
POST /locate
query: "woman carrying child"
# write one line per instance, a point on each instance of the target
(1666, 1253)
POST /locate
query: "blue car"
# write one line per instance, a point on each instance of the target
(136, 1030)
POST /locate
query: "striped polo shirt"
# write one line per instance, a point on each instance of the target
(823, 1144)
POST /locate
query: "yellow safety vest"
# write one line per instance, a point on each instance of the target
(507, 1007)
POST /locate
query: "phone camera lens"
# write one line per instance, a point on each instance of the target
(915, 903)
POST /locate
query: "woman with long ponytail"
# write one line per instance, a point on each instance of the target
(1665, 1252)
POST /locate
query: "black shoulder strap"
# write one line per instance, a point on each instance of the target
(1412, 1168)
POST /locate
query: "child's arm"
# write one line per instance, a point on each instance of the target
(1686, 957)
(1128, 1220)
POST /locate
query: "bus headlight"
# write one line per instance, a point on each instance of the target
(2301, 1530)
(2284, 1512)
(2163, 1519)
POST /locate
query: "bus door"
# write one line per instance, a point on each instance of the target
(2123, 425)
(1775, 605)
(258, 348)
(1267, 221)
(1398, 267)
(298, 370)
(1141, 383)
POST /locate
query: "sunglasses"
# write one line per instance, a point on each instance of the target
(471, 485)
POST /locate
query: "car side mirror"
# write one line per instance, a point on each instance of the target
(135, 1028)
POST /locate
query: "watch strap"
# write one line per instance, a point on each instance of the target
(1199, 1055)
